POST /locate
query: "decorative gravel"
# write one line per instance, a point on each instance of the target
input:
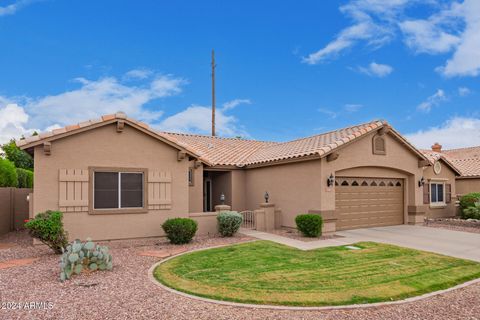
(127, 293)
(297, 235)
(470, 225)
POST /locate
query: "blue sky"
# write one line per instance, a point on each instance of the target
(285, 69)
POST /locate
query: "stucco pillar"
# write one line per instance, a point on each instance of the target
(269, 209)
(222, 207)
(260, 220)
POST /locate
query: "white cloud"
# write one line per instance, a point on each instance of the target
(352, 107)
(456, 132)
(198, 119)
(424, 36)
(331, 114)
(372, 23)
(464, 91)
(13, 120)
(452, 26)
(13, 7)
(432, 101)
(103, 96)
(376, 70)
(466, 59)
(234, 103)
(138, 74)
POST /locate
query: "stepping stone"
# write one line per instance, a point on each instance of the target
(164, 253)
(17, 263)
(6, 245)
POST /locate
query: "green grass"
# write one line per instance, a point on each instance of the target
(263, 272)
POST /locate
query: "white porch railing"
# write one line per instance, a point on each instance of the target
(248, 219)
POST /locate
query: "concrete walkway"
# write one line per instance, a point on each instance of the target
(447, 242)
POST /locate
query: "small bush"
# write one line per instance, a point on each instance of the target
(180, 230)
(25, 178)
(79, 256)
(48, 228)
(472, 212)
(310, 225)
(469, 200)
(229, 222)
(8, 174)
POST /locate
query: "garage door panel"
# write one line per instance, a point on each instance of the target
(368, 206)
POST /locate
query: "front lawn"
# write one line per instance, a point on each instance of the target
(263, 272)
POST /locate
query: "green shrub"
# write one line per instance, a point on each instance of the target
(8, 174)
(472, 212)
(469, 200)
(24, 178)
(310, 225)
(48, 228)
(79, 256)
(229, 222)
(180, 230)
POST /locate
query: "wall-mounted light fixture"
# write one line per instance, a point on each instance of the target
(222, 198)
(266, 196)
(330, 180)
(421, 182)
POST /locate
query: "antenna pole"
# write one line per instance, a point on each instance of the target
(213, 92)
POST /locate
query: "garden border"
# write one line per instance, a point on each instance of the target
(279, 307)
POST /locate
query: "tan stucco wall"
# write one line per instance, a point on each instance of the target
(207, 222)
(469, 185)
(397, 159)
(294, 188)
(302, 186)
(105, 147)
(238, 190)
(448, 176)
(195, 192)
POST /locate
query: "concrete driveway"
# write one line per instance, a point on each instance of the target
(448, 242)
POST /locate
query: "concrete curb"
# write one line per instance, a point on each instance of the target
(276, 307)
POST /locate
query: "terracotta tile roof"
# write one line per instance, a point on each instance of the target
(229, 151)
(109, 118)
(314, 145)
(467, 160)
(433, 156)
(220, 151)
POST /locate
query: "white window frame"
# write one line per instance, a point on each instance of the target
(437, 203)
(119, 207)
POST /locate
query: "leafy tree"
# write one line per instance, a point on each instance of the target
(20, 158)
(8, 174)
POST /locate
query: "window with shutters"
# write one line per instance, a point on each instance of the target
(437, 194)
(118, 190)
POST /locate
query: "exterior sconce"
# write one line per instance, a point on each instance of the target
(222, 198)
(421, 182)
(330, 180)
(266, 196)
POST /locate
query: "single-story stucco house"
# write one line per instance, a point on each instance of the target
(117, 178)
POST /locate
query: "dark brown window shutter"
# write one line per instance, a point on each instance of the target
(426, 193)
(448, 193)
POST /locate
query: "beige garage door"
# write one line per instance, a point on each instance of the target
(368, 202)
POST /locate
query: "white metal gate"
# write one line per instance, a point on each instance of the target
(248, 219)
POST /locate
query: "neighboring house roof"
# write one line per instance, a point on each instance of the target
(467, 160)
(233, 151)
(433, 156)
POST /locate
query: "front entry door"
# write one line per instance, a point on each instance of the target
(207, 195)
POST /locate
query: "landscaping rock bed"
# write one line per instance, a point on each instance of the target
(126, 292)
(470, 225)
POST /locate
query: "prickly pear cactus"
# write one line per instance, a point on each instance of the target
(79, 256)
